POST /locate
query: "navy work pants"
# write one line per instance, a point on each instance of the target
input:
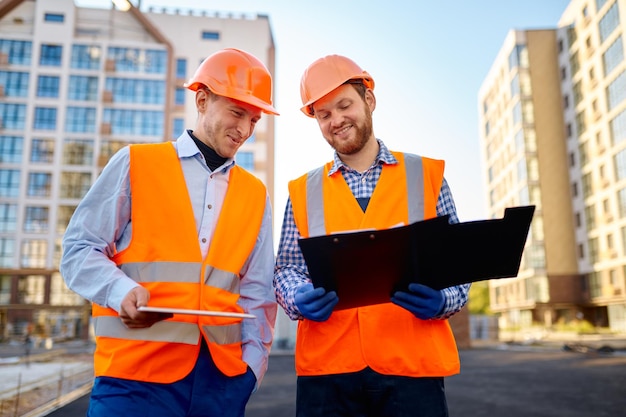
(205, 392)
(369, 394)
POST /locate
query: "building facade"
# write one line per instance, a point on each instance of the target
(552, 114)
(76, 85)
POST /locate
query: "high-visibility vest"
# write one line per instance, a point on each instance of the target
(385, 337)
(164, 256)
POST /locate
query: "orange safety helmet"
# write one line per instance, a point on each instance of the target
(326, 74)
(238, 75)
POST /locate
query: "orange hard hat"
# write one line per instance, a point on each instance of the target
(326, 74)
(238, 75)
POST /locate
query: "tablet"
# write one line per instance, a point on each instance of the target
(195, 312)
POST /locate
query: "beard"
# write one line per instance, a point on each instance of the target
(361, 135)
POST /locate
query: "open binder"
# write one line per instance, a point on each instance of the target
(367, 267)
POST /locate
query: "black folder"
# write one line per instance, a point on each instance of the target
(367, 267)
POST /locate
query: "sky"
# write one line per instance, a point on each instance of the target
(428, 60)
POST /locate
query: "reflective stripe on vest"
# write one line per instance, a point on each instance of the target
(144, 272)
(315, 196)
(181, 272)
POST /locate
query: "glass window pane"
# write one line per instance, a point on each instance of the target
(50, 55)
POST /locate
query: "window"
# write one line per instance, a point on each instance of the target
(15, 83)
(61, 295)
(245, 160)
(85, 57)
(581, 125)
(600, 3)
(574, 64)
(590, 217)
(620, 165)
(18, 52)
(609, 22)
(517, 113)
(36, 219)
(613, 56)
(179, 96)
(82, 88)
(522, 173)
(64, 214)
(31, 289)
(616, 91)
(181, 68)
(9, 182)
(108, 148)
(7, 252)
(80, 119)
(5, 289)
(617, 127)
(571, 35)
(54, 17)
(210, 35)
(155, 62)
(39, 184)
(134, 122)
(8, 217)
(42, 150)
(74, 184)
(50, 55)
(45, 118)
(48, 86)
(515, 86)
(126, 59)
(78, 152)
(126, 90)
(178, 127)
(586, 184)
(11, 148)
(12, 116)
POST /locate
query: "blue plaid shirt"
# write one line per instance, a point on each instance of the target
(291, 271)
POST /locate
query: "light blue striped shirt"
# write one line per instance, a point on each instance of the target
(102, 223)
(291, 271)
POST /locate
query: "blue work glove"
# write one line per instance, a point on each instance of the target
(315, 303)
(424, 302)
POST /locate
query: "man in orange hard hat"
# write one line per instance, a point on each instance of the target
(378, 360)
(177, 226)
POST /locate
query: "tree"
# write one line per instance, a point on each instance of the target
(479, 298)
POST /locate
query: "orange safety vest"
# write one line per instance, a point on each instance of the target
(385, 337)
(164, 256)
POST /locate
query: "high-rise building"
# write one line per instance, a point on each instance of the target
(77, 84)
(553, 132)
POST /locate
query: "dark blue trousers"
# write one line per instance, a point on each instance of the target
(369, 394)
(205, 392)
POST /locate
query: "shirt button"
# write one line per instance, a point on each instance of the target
(203, 240)
(210, 206)
(363, 180)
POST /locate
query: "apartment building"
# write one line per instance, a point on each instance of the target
(76, 85)
(553, 128)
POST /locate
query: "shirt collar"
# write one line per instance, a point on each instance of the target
(384, 157)
(187, 148)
